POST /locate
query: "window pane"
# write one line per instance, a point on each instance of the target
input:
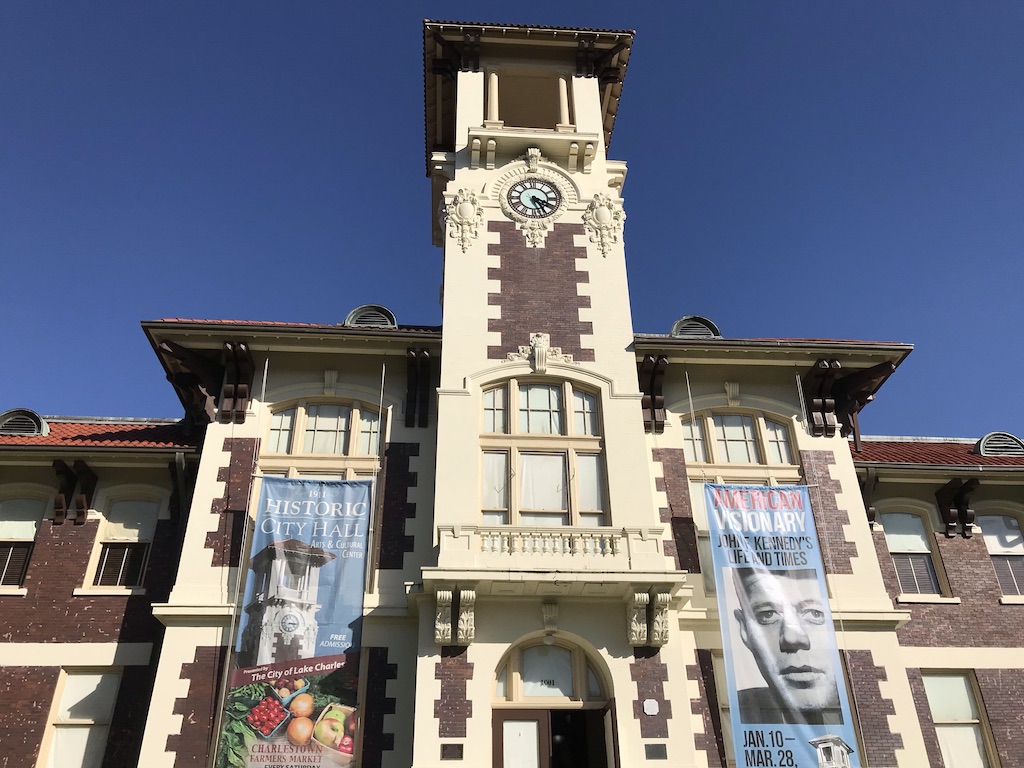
(494, 411)
(735, 439)
(590, 482)
(369, 433)
(326, 428)
(693, 440)
(585, 413)
(961, 745)
(80, 746)
(778, 443)
(593, 686)
(495, 489)
(592, 519)
(495, 518)
(540, 409)
(121, 565)
(19, 518)
(544, 519)
(501, 684)
(950, 698)
(281, 424)
(542, 481)
(131, 520)
(1002, 534)
(905, 532)
(547, 671)
(89, 697)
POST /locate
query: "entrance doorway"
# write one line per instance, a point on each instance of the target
(552, 738)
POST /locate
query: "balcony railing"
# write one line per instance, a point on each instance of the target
(570, 548)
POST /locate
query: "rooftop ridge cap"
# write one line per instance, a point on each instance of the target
(111, 420)
(915, 439)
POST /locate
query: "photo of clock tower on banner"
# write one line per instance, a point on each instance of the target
(291, 692)
(787, 697)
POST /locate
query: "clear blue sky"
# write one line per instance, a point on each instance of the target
(798, 168)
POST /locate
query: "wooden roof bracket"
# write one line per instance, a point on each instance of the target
(239, 370)
(834, 402)
(868, 486)
(652, 378)
(417, 387)
(954, 499)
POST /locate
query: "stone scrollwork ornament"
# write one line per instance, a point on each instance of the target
(603, 221)
(466, 631)
(443, 618)
(465, 217)
(659, 620)
(539, 353)
(636, 619)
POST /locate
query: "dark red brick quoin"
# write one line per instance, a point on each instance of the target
(26, 693)
(232, 508)
(829, 519)
(539, 291)
(453, 709)
(678, 514)
(378, 704)
(397, 480)
(706, 705)
(873, 710)
(198, 710)
(1002, 691)
(978, 621)
(650, 675)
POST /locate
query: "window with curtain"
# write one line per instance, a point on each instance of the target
(909, 544)
(545, 466)
(738, 438)
(325, 429)
(957, 718)
(1005, 545)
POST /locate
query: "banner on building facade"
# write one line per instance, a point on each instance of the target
(787, 696)
(291, 693)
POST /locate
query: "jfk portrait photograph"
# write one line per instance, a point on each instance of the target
(783, 648)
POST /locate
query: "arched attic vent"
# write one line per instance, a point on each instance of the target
(22, 421)
(371, 316)
(1000, 444)
(694, 327)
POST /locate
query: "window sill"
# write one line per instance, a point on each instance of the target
(109, 591)
(13, 591)
(929, 599)
(1011, 600)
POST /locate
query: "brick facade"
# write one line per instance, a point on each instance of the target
(377, 704)
(1002, 695)
(232, 508)
(199, 709)
(873, 709)
(397, 481)
(829, 519)
(539, 291)
(678, 514)
(453, 709)
(27, 693)
(650, 674)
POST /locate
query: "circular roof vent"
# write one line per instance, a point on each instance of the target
(371, 316)
(1000, 444)
(695, 327)
(22, 421)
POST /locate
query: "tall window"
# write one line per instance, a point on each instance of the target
(908, 543)
(19, 523)
(545, 466)
(738, 438)
(331, 429)
(1005, 545)
(957, 718)
(83, 719)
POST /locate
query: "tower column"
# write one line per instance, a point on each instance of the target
(492, 96)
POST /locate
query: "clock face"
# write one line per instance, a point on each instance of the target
(534, 198)
(290, 622)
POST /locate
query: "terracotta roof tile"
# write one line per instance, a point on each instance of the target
(107, 434)
(316, 326)
(936, 452)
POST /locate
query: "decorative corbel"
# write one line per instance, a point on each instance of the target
(330, 382)
(443, 618)
(239, 369)
(533, 158)
(467, 620)
(549, 612)
(652, 376)
(87, 480)
(868, 486)
(539, 353)
(954, 499)
(465, 218)
(659, 619)
(636, 618)
(603, 219)
(732, 393)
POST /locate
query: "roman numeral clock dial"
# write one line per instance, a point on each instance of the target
(534, 198)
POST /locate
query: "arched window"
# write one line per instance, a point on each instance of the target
(544, 671)
(542, 456)
(909, 543)
(738, 438)
(1005, 545)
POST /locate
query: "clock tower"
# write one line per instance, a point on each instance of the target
(549, 544)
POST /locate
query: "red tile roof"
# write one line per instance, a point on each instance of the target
(933, 451)
(108, 434)
(315, 326)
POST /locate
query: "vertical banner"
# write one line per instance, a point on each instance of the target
(787, 696)
(291, 696)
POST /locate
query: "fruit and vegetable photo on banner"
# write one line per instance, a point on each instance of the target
(788, 705)
(292, 688)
